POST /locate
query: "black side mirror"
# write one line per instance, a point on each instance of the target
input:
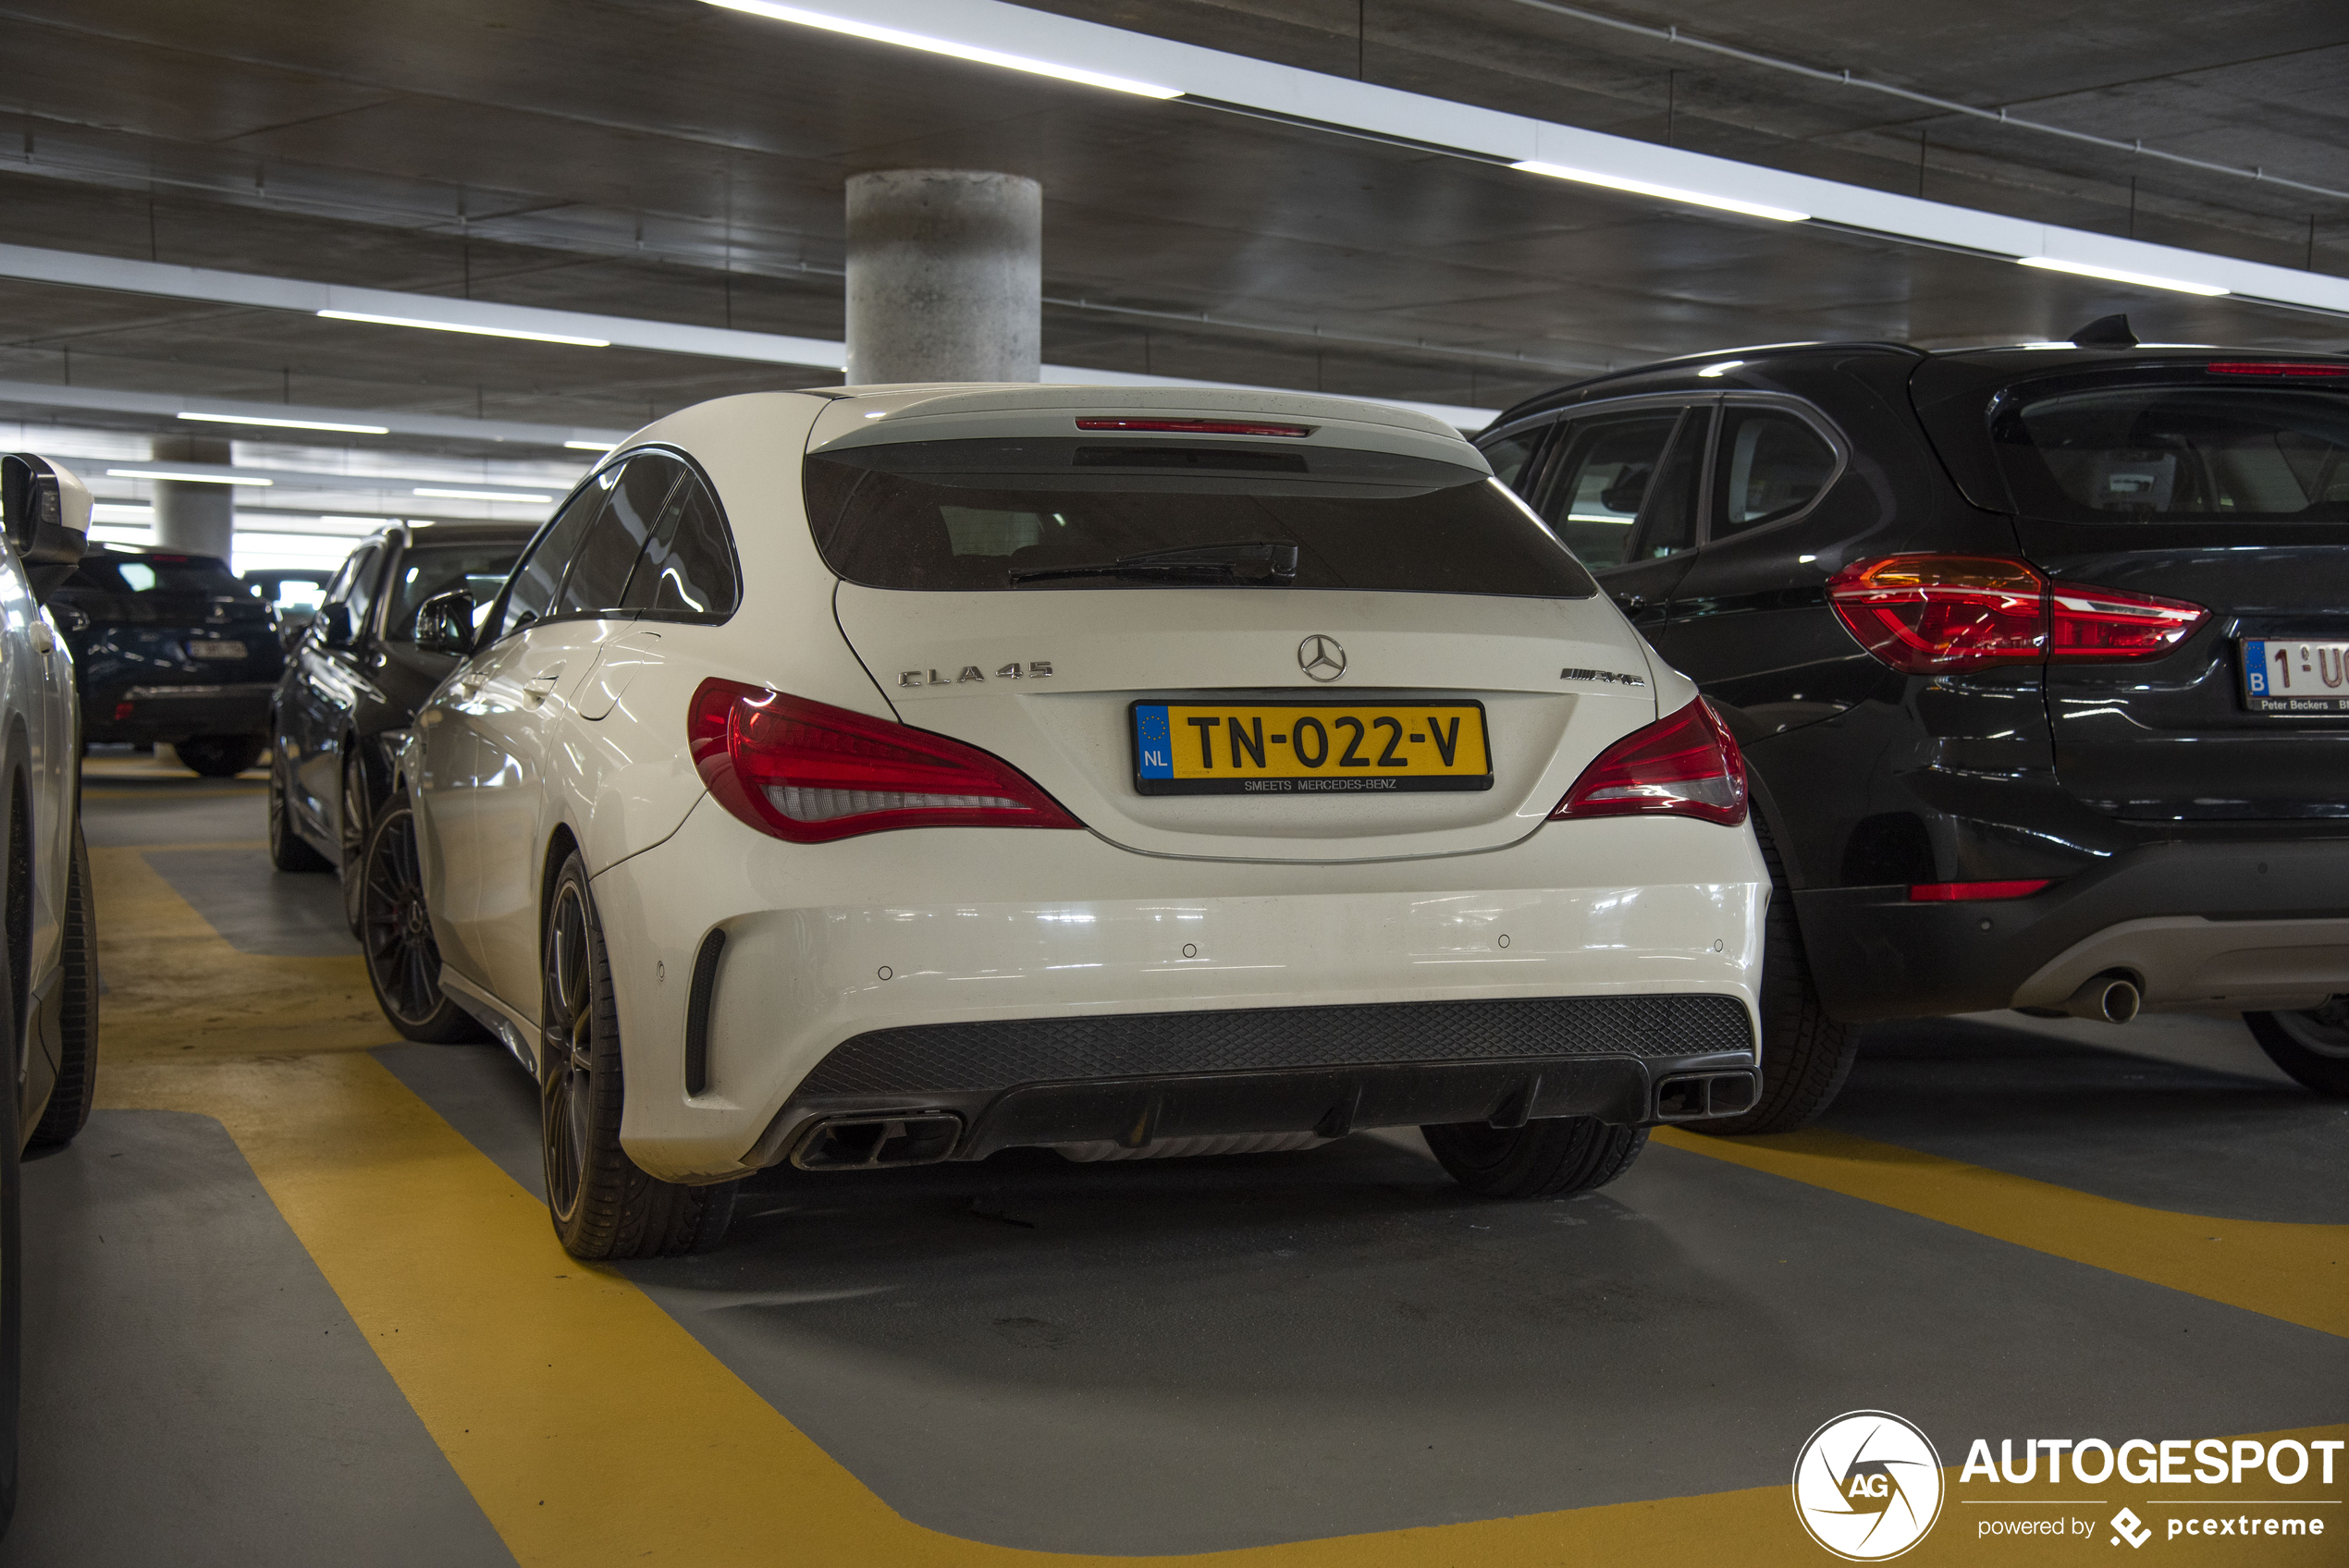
(334, 624)
(445, 624)
(45, 512)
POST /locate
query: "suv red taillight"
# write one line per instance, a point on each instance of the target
(1684, 765)
(1932, 614)
(809, 772)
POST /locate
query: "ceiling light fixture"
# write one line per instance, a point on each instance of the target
(459, 326)
(482, 495)
(188, 478)
(289, 424)
(2114, 274)
(940, 46)
(1662, 192)
(590, 445)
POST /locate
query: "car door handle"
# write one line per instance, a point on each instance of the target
(539, 686)
(1632, 601)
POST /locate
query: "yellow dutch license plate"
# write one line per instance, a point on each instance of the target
(1309, 748)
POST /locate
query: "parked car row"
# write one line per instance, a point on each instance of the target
(869, 778)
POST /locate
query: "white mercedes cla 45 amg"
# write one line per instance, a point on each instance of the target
(874, 776)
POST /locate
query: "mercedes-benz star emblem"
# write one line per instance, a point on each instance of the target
(1320, 657)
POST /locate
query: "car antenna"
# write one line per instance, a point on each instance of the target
(2106, 332)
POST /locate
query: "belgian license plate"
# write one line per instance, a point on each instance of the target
(2295, 675)
(218, 649)
(1309, 748)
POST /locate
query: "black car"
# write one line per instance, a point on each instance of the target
(355, 679)
(2036, 656)
(291, 593)
(173, 648)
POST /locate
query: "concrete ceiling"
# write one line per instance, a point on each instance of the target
(667, 160)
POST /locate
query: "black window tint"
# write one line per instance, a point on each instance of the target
(688, 568)
(1511, 453)
(1057, 513)
(1667, 516)
(427, 571)
(539, 578)
(2177, 451)
(1601, 479)
(1769, 465)
(598, 580)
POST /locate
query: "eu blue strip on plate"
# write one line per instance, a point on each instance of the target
(1152, 743)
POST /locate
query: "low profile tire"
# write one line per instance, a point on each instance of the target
(602, 1205)
(351, 814)
(221, 756)
(395, 936)
(77, 1085)
(2312, 1046)
(1541, 1160)
(1805, 1055)
(287, 850)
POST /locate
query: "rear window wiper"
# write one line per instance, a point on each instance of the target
(1253, 561)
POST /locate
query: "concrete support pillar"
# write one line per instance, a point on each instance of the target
(200, 519)
(945, 276)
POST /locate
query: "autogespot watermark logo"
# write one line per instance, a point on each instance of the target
(1867, 1486)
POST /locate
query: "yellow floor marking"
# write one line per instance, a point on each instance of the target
(2299, 1273)
(592, 1428)
(102, 793)
(200, 844)
(176, 988)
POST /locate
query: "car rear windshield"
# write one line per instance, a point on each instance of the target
(985, 514)
(157, 574)
(2176, 450)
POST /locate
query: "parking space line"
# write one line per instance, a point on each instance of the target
(176, 989)
(592, 1429)
(2298, 1273)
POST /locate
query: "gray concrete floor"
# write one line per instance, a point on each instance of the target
(1184, 1355)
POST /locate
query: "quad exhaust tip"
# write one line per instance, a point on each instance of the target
(2114, 998)
(871, 1143)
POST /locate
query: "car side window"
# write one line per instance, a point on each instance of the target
(688, 568)
(1769, 464)
(607, 555)
(1667, 516)
(1600, 480)
(538, 580)
(1510, 454)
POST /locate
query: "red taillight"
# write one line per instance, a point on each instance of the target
(1196, 426)
(809, 772)
(2275, 367)
(1931, 614)
(1958, 892)
(1684, 765)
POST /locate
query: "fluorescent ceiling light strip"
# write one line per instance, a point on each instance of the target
(374, 320)
(188, 478)
(2114, 274)
(287, 423)
(480, 494)
(943, 46)
(1660, 193)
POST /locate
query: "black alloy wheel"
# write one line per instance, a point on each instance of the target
(289, 850)
(2313, 1046)
(1541, 1159)
(350, 815)
(602, 1205)
(395, 936)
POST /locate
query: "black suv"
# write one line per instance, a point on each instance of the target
(355, 679)
(2037, 654)
(170, 647)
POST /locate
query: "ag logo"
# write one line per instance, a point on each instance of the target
(1320, 657)
(1867, 1486)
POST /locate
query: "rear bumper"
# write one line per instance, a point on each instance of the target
(175, 713)
(2246, 925)
(1137, 1078)
(1051, 987)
